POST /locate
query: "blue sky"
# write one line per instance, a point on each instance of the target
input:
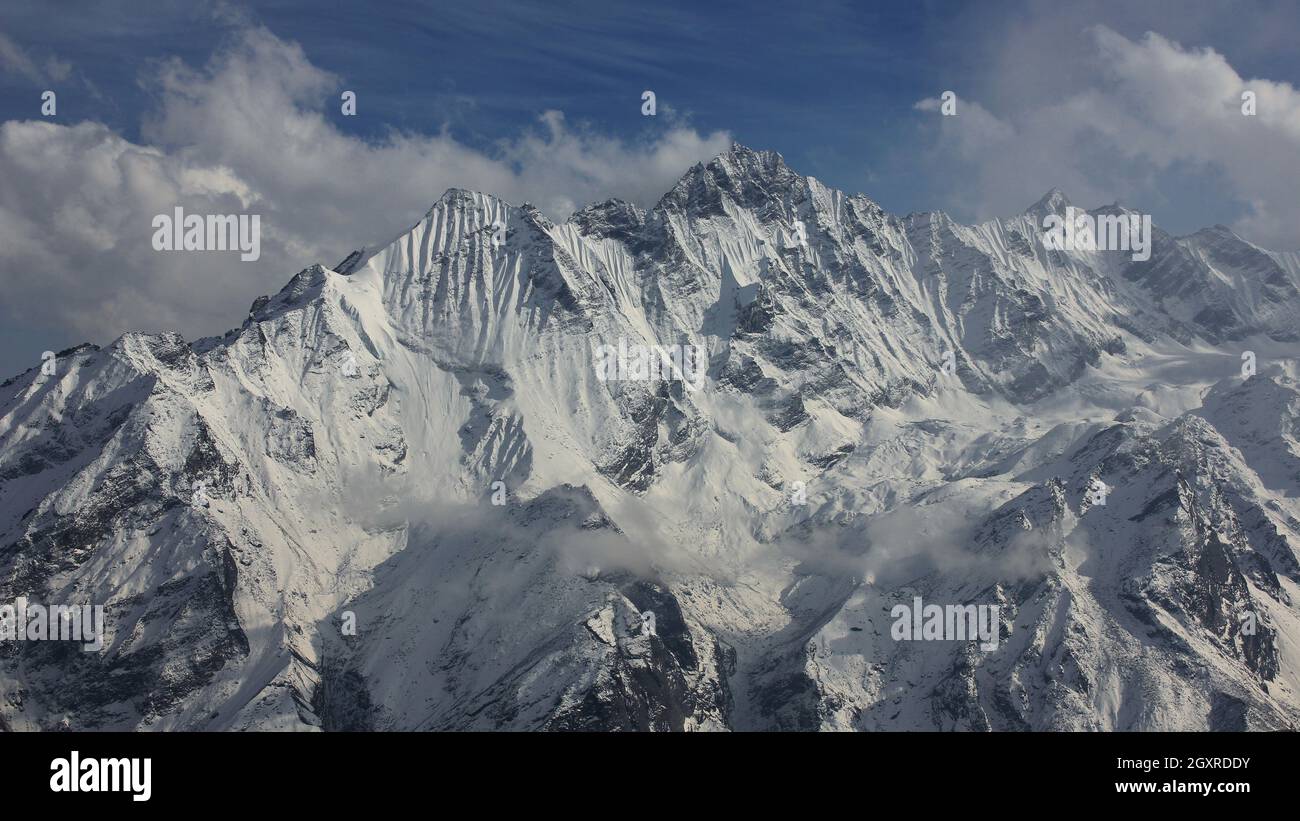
(1050, 96)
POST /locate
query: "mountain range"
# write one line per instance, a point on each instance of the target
(400, 495)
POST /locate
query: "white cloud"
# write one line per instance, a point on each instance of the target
(976, 129)
(249, 133)
(1142, 108)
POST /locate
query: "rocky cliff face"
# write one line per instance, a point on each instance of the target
(417, 444)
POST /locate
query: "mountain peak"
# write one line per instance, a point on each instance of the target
(746, 175)
(611, 218)
(488, 207)
(464, 198)
(1218, 231)
(1053, 202)
(748, 162)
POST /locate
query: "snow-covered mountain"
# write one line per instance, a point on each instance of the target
(892, 408)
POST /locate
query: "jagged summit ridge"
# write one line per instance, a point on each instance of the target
(941, 396)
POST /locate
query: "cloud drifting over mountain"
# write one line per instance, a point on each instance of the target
(1133, 110)
(1140, 119)
(253, 131)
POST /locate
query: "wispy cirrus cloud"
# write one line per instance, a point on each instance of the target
(15, 60)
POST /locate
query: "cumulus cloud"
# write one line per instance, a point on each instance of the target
(249, 132)
(1140, 109)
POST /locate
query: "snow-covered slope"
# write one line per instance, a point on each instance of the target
(418, 442)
